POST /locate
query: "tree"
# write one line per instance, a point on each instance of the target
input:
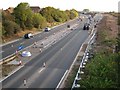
(7, 16)
(23, 15)
(101, 72)
(72, 15)
(39, 21)
(118, 42)
(10, 28)
(29, 21)
(55, 15)
(75, 12)
(47, 13)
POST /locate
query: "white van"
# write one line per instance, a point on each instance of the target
(47, 29)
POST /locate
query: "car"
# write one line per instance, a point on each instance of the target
(86, 26)
(68, 26)
(47, 29)
(28, 35)
(95, 26)
(26, 54)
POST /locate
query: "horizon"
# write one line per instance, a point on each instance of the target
(92, 5)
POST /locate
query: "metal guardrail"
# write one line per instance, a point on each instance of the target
(7, 59)
(83, 63)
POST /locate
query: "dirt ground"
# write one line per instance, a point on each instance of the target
(109, 25)
(107, 33)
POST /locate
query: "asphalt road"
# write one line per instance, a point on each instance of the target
(8, 49)
(58, 59)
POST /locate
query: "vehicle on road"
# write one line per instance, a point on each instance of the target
(68, 26)
(28, 35)
(47, 29)
(44, 64)
(26, 54)
(86, 26)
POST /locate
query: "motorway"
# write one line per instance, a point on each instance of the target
(12, 47)
(58, 58)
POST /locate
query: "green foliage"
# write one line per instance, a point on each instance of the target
(0, 16)
(55, 15)
(72, 13)
(47, 13)
(118, 15)
(23, 15)
(118, 42)
(1, 32)
(101, 72)
(7, 16)
(75, 12)
(10, 28)
(118, 61)
(39, 21)
(29, 21)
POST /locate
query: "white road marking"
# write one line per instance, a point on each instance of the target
(41, 70)
(58, 86)
(11, 45)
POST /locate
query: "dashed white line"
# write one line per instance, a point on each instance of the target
(41, 70)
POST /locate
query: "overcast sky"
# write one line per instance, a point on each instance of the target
(93, 5)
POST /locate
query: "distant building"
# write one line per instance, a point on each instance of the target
(35, 9)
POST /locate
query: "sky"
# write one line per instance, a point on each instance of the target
(79, 5)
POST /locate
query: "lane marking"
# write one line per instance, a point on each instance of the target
(58, 86)
(41, 70)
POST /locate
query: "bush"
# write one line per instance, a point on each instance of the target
(39, 21)
(101, 72)
(10, 28)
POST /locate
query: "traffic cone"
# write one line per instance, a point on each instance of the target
(20, 62)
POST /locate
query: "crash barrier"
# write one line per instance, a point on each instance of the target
(8, 59)
(83, 63)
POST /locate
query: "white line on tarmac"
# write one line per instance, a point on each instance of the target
(58, 86)
(41, 70)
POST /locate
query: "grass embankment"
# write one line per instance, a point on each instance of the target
(102, 71)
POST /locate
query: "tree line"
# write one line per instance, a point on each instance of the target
(24, 18)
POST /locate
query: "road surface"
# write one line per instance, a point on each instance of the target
(12, 47)
(58, 58)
